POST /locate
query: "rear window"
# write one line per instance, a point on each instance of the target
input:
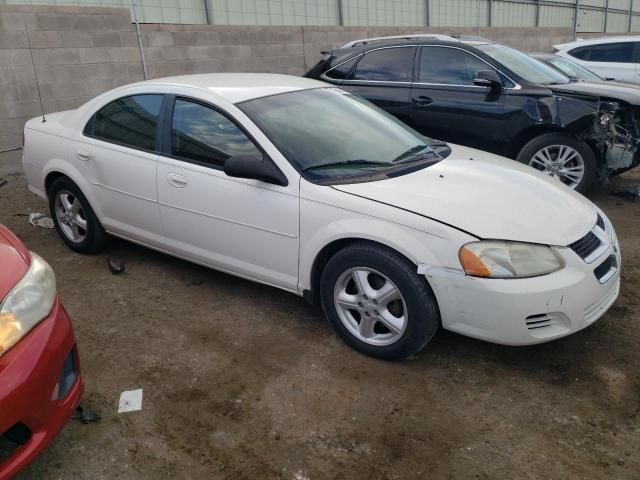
(387, 65)
(129, 121)
(344, 71)
(620, 52)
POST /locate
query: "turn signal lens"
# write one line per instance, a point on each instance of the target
(504, 259)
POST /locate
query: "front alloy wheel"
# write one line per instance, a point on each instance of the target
(370, 306)
(377, 302)
(70, 216)
(560, 161)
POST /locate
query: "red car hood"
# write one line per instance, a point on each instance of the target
(14, 261)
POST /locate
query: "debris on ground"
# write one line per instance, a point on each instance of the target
(40, 220)
(86, 415)
(115, 266)
(3, 182)
(196, 283)
(631, 194)
(130, 401)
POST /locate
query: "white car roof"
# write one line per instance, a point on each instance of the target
(596, 41)
(239, 87)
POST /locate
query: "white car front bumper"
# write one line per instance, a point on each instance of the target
(529, 310)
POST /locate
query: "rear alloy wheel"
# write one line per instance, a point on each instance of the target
(563, 157)
(377, 302)
(74, 218)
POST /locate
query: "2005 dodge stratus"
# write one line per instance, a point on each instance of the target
(294, 183)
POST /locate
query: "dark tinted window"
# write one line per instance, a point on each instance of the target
(128, 121)
(581, 52)
(202, 134)
(612, 52)
(448, 66)
(386, 65)
(342, 72)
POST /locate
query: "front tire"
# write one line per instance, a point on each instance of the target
(74, 219)
(377, 302)
(563, 157)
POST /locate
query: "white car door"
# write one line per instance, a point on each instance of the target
(246, 227)
(115, 153)
(609, 60)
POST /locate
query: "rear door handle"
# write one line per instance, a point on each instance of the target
(83, 155)
(422, 100)
(177, 180)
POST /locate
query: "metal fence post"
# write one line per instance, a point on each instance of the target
(207, 12)
(575, 20)
(427, 20)
(340, 13)
(144, 62)
(606, 13)
(489, 12)
(630, 14)
(537, 13)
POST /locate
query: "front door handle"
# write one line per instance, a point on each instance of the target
(177, 180)
(422, 100)
(83, 155)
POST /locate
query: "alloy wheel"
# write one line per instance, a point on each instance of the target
(71, 216)
(561, 162)
(370, 306)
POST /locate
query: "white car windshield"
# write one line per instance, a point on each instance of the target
(328, 132)
(523, 65)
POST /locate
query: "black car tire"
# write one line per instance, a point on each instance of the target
(95, 238)
(557, 138)
(422, 315)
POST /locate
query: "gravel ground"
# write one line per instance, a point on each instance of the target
(243, 381)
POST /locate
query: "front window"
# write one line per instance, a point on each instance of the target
(573, 70)
(448, 66)
(330, 133)
(523, 65)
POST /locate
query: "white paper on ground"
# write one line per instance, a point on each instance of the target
(130, 401)
(40, 220)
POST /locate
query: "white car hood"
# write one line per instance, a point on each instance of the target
(489, 197)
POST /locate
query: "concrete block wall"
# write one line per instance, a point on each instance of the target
(80, 52)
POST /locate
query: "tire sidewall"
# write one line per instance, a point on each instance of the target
(538, 143)
(94, 229)
(423, 319)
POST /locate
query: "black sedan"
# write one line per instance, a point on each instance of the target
(492, 97)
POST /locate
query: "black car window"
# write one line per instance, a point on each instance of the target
(612, 52)
(386, 65)
(202, 134)
(129, 121)
(344, 71)
(581, 53)
(448, 66)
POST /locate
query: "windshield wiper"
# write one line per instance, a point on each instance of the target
(412, 152)
(359, 161)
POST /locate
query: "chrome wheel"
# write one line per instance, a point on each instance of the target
(70, 216)
(370, 306)
(560, 161)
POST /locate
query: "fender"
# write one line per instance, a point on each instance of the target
(64, 167)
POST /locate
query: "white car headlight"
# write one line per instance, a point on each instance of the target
(28, 303)
(503, 259)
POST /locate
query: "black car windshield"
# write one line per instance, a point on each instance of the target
(523, 65)
(327, 132)
(573, 70)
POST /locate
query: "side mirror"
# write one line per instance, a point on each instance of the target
(488, 78)
(256, 168)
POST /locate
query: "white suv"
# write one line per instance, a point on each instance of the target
(610, 57)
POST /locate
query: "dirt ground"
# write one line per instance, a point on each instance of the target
(243, 381)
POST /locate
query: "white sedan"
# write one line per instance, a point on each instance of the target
(294, 183)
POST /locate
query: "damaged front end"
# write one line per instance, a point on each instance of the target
(617, 138)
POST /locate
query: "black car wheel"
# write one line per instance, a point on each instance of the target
(561, 156)
(377, 302)
(74, 218)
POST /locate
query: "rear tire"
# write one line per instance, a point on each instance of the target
(377, 302)
(563, 157)
(74, 219)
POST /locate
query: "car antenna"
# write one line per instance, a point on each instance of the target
(35, 72)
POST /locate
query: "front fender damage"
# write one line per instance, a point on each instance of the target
(617, 138)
